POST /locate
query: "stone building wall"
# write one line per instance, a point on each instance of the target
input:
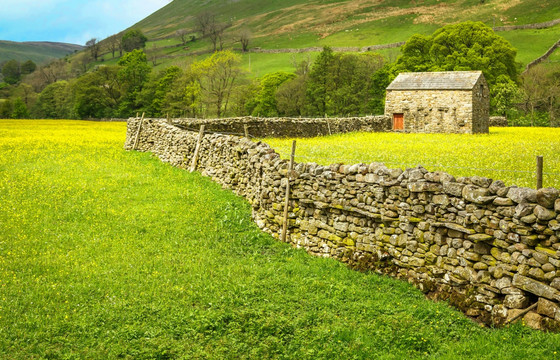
(432, 111)
(491, 250)
(481, 107)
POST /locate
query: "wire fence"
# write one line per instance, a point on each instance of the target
(336, 160)
(326, 160)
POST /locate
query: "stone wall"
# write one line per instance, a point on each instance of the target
(288, 127)
(542, 25)
(498, 121)
(335, 48)
(491, 250)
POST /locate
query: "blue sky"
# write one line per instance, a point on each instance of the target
(71, 21)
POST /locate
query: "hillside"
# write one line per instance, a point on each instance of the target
(300, 24)
(39, 52)
(360, 22)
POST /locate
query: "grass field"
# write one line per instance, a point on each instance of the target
(507, 154)
(110, 254)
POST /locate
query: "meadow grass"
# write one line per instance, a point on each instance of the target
(507, 154)
(111, 254)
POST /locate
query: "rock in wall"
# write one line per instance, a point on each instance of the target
(491, 250)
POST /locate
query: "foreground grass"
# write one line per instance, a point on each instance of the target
(507, 154)
(113, 254)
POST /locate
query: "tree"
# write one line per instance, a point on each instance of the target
(320, 83)
(20, 110)
(55, 101)
(290, 97)
(184, 95)
(26, 93)
(352, 77)
(183, 35)
(210, 27)
(216, 35)
(464, 46)
(133, 74)
(93, 47)
(6, 109)
(204, 21)
(265, 103)
(540, 91)
(99, 93)
(133, 39)
(380, 80)
(52, 72)
(28, 67)
(152, 97)
(244, 38)
(216, 77)
(505, 95)
(12, 72)
(113, 44)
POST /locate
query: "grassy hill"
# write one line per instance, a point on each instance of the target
(296, 23)
(39, 52)
(279, 24)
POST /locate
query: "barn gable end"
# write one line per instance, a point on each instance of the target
(439, 102)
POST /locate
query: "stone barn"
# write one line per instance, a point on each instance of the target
(439, 102)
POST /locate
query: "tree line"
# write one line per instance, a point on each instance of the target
(335, 84)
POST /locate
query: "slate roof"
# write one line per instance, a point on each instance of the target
(444, 80)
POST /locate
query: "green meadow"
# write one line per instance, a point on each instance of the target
(109, 254)
(506, 153)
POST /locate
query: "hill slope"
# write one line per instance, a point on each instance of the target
(39, 52)
(297, 23)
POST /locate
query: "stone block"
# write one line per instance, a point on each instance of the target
(533, 320)
(548, 308)
(543, 213)
(480, 237)
(500, 201)
(516, 301)
(477, 195)
(522, 195)
(536, 287)
(453, 188)
(546, 197)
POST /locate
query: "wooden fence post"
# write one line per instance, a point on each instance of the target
(197, 148)
(246, 128)
(286, 204)
(138, 132)
(539, 171)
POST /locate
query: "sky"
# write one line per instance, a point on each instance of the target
(70, 21)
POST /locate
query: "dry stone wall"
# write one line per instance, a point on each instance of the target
(491, 250)
(288, 127)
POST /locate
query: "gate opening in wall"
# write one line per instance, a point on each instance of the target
(398, 121)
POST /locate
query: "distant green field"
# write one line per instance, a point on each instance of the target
(507, 154)
(108, 254)
(39, 52)
(531, 44)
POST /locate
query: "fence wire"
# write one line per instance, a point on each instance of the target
(350, 161)
(332, 160)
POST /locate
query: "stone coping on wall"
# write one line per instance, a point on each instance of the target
(489, 249)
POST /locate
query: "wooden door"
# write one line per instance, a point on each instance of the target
(398, 121)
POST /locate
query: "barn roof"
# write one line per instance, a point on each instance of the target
(444, 80)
